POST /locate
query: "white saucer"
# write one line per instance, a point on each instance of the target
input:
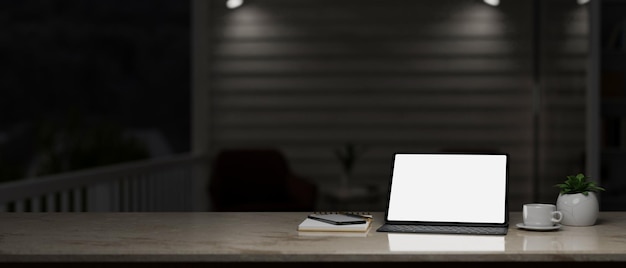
(538, 228)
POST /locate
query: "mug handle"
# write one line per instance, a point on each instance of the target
(559, 216)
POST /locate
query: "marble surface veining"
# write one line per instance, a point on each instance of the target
(272, 236)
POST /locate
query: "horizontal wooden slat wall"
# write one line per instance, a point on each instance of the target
(308, 76)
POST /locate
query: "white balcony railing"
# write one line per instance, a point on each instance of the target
(168, 184)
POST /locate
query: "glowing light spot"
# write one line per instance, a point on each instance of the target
(232, 4)
(493, 2)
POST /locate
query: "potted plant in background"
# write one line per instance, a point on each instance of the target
(578, 200)
(347, 156)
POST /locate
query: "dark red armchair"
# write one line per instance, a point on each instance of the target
(258, 180)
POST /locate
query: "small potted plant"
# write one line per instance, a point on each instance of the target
(348, 155)
(578, 200)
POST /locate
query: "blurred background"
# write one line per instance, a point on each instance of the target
(283, 105)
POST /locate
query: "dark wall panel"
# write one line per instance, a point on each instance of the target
(309, 76)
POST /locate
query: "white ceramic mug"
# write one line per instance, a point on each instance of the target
(541, 215)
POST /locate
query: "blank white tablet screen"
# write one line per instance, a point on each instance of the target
(448, 188)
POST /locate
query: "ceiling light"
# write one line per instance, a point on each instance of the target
(492, 2)
(232, 4)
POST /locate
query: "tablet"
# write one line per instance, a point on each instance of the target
(338, 219)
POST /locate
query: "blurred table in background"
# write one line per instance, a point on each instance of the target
(352, 198)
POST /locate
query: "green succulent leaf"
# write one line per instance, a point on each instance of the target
(578, 183)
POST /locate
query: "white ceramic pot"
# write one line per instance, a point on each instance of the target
(578, 209)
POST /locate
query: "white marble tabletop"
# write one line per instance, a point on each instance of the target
(272, 237)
